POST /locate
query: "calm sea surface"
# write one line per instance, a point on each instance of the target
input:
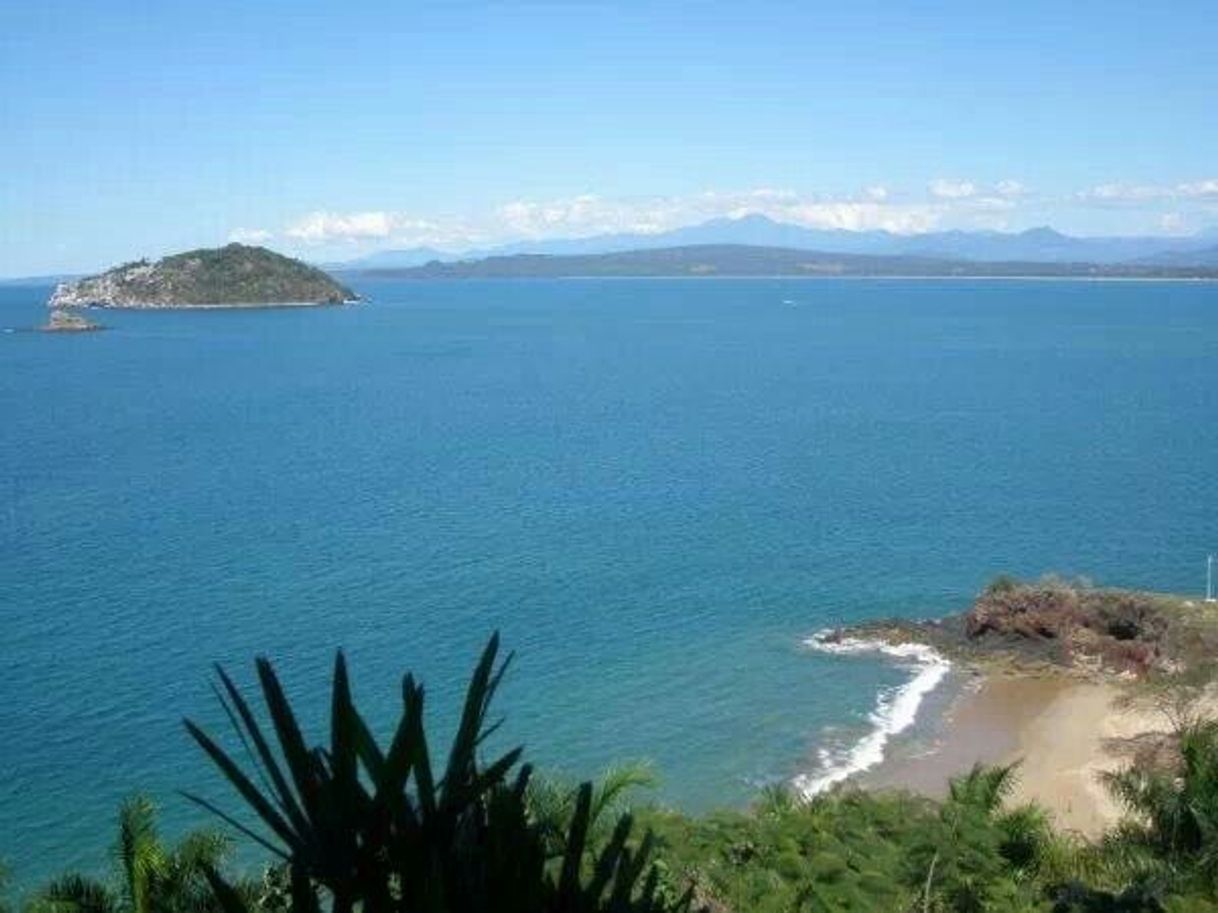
(655, 489)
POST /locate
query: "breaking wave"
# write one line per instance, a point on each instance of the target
(895, 711)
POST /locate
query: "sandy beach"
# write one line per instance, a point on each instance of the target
(1064, 732)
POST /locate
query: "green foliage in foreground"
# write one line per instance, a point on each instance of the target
(891, 851)
(361, 826)
(150, 877)
(853, 850)
(1173, 832)
(356, 825)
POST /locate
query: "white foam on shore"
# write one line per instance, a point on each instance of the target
(895, 711)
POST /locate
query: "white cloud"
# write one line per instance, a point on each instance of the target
(992, 203)
(249, 235)
(323, 227)
(945, 203)
(585, 214)
(862, 216)
(951, 189)
(1119, 192)
(1173, 223)
(393, 228)
(589, 214)
(1123, 193)
(990, 196)
(1207, 189)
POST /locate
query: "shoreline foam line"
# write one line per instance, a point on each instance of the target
(895, 711)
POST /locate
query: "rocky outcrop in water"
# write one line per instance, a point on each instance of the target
(62, 321)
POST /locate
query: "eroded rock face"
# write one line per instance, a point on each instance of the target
(110, 289)
(1051, 624)
(1117, 629)
(1024, 611)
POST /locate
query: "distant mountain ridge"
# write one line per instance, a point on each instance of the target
(1206, 256)
(1033, 245)
(710, 260)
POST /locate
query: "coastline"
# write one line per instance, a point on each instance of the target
(1046, 675)
(896, 709)
(1063, 731)
(236, 306)
(1030, 277)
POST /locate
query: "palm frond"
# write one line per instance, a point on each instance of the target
(616, 783)
(141, 857)
(74, 894)
(984, 787)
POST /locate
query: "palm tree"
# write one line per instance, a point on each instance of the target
(983, 788)
(75, 894)
(552, 803)
(151, 877)
(1176, 812)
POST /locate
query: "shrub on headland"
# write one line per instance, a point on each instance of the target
(1073, 623)
(1124, 629)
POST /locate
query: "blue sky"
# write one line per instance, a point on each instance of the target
(328, 130)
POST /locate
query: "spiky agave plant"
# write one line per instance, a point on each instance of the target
(358, 825)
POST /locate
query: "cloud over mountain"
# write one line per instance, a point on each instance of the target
(944, 204)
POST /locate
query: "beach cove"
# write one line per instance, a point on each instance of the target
(1065, 682)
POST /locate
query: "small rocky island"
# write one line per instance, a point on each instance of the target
(227, 277)
(62, 321)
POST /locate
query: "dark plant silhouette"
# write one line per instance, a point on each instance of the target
(1078, 898)
(358, 825)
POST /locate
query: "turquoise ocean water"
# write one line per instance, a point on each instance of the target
(655, 489)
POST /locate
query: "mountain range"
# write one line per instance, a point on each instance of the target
(1035, 245)
(708, 260)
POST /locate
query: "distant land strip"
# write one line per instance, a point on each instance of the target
(726, 260)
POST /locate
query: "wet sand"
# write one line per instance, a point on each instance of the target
(1058, 728)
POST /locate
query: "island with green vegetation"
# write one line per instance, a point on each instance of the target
(710, 260)
(374, 820)
(236, 275)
